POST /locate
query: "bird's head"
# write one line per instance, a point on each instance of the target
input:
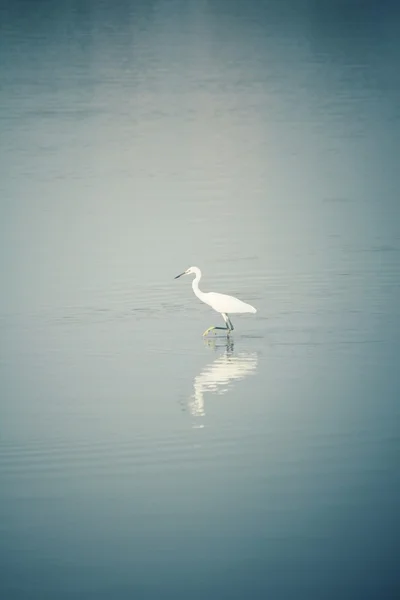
(189, 271)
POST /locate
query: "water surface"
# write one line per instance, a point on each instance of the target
(258, 141)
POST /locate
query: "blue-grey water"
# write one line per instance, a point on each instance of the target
(259, 141)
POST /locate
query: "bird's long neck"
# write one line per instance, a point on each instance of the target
(195, 286)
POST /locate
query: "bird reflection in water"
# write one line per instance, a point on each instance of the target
(217, 377)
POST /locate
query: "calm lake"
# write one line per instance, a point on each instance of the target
(257, 140)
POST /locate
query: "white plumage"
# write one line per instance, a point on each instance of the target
(221, 303)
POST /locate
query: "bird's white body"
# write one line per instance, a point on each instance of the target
(221, 303)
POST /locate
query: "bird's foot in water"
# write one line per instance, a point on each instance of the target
(208, 330)
(212, 328)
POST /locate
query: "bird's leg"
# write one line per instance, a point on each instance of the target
(212, 328)
(227, 320)
(228, 328)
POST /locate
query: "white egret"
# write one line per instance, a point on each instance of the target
(221, 303)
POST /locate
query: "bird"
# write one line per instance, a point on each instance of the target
(221, 303)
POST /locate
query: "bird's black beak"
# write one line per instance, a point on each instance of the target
(180, 275)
